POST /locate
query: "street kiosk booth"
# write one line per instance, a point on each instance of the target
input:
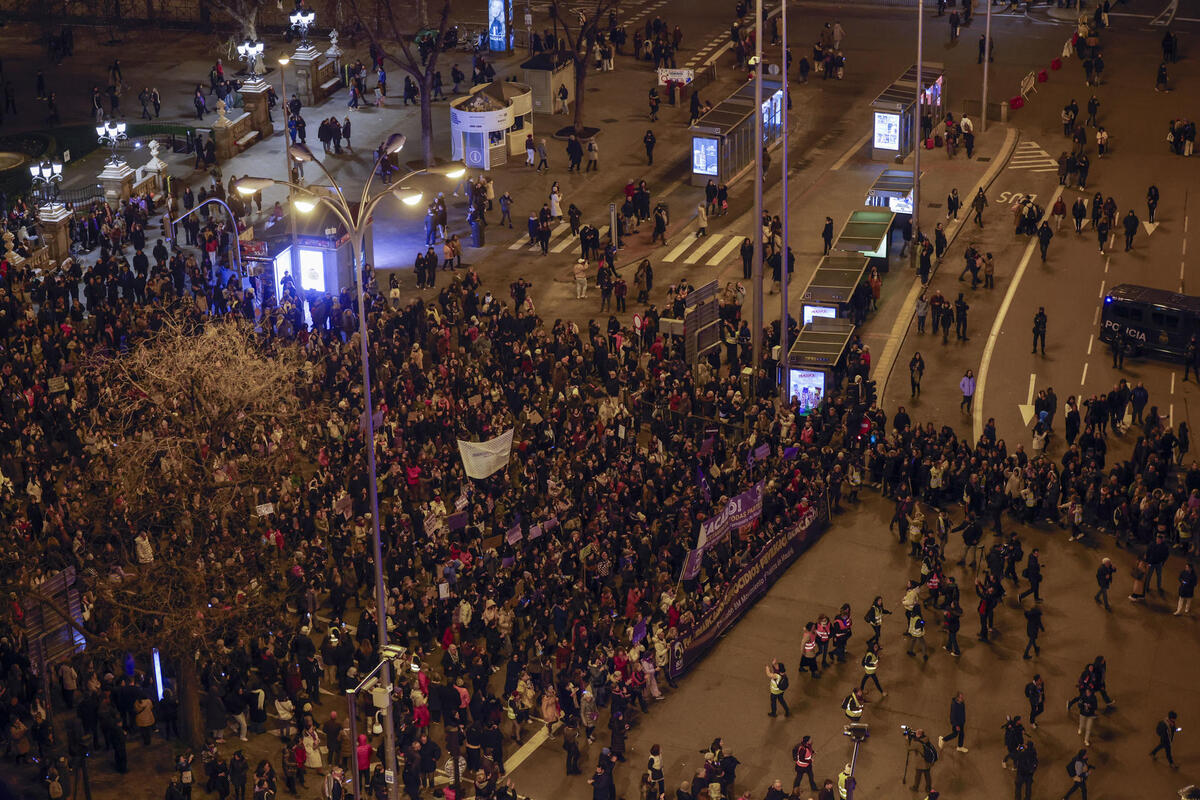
(893, 190)
(545, 74)
(723, 139)
(490, 124)
(867, 232)
(816, 362)
(894, 134)
(828, 294)
(320, 259)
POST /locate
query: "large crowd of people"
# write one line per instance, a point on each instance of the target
(547, 593)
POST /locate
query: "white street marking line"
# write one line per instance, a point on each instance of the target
(703, 248)
(1090, 338)
(1172, 383)
(1096, 316)
(1083, 378)
(1106, 260)
(998, 323)
(1101, 290)
(854, 148)
(564, 244)
(728, 248)
(679, 248)
(526, 750)
(1167, 15)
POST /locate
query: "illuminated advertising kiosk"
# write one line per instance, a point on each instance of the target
(894, 130)
(817, 360)
(723, 137)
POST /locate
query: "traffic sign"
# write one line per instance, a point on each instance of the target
(637, 322)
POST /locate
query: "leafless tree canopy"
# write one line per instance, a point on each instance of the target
(191, 430)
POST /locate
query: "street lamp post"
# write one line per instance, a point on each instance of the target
(111, 134)
(356, 219)
(46, 178)
(987, 57)
(301, 21)
(783, 271)
(251, 52)
(918, 144)
(287, 159)
(756, 311)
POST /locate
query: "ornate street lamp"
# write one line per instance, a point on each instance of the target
(112, 134)
(302, 20)
(46, 178)
(251, 52)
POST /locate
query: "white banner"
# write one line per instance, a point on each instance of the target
(481, 459)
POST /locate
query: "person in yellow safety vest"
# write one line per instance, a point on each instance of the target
(845, 782)
(870, 663)
(853, 704)
(916, 632)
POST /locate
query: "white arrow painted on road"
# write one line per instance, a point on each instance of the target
(1027, 407)
(1149, 226)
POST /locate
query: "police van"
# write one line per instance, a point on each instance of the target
(1154, 321)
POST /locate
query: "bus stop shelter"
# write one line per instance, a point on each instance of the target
(828, 293)
(723, 139)
(817, 359)
(867, 232)
(893, 134)
(893, 190)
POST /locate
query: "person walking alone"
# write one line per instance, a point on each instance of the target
(802, 756)
(777, 685)
(1039, 323)
(1079, 770)
(978, 205)
(958, 723)
(870, 665)
(1166, 730)
(1035, 691)
(1104, 579)
(967, 387)
(1187, 588)
(1130, 223)
(1033, 628)
(1045, 234)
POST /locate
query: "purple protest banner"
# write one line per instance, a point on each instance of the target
(749, 584)
(762, 452)
(739, 512)
(514, 534)
(691, 565)
(639, 631)
(535, 532)
(508, 561)
(457, 521)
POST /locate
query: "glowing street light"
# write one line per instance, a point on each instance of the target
(302, 20)
(46, 178)
(112, 134)
(251, 52)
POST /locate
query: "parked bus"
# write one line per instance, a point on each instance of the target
(1155, 322)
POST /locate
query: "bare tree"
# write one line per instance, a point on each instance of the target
(190, 431)
(581, 30)
(244, 13)
(409, 35)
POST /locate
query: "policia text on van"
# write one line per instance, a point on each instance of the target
(1150, 321)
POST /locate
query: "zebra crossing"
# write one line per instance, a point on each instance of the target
(716, 40)
(1030, 156)
(557, 244)
(711, 250)
(692, 249)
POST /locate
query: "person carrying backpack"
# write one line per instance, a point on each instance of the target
(927, 756)
(1078, 770)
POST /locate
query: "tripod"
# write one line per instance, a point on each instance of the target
(904, 777)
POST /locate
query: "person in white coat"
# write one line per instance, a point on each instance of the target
(702, 219)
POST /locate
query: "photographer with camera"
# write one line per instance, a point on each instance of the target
(926, 756)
